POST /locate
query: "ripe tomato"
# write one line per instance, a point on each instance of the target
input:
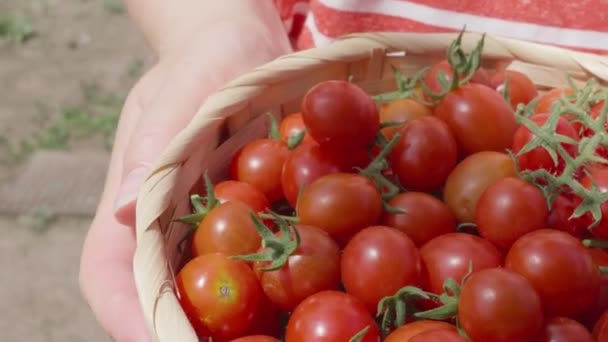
(508, 209)
(340, 203)
(257, 338)
(499, 305)
(601, 304)
(231, 190)
(600, 330)
(470, 178)
(313, 267)
(600, 177)
(548, 99)
(438, 335)
(425, 154)
(260, 163)
(431, 79)
(538, 157)
(425, 216)
(340, 115)
(560, 217)
(219, 295)
(562, 329)
(520, 87)
(330, 316)
(266, 320)
(479, 117)
(292, 125)
(401, 110)
(305, 164)
(406, 332)
(226, 229)
(560, 269)
(377, 262)
(448, 256)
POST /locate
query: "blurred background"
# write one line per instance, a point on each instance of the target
(65, 69)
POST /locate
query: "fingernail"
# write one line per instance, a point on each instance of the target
(129, 188)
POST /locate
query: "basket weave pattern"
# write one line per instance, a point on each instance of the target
(233, 116)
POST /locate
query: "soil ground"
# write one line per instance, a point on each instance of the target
(65, 67)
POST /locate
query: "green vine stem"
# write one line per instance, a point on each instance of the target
(276, 249)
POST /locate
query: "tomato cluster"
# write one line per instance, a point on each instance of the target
(465, 206)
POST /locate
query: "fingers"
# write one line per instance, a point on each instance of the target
(190, 80)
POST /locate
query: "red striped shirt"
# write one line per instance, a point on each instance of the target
(581, 24)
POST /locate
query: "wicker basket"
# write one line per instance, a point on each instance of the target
(231, 117)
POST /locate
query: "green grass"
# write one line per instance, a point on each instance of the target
(113, 6)
(97, 117)
(16, 28)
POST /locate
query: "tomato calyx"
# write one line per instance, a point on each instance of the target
(553, 183)
(360, 335)
(274, 133)
(275, 249)
(202, 205)
(395, 309)
(464, 66)
(405, 87)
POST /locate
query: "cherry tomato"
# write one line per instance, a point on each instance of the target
(266, 320)
(226, 229)
(560, 269)
(260, 164)
(600, 330)
(599, 176)
(330, 316)
(499, 305)
(438, 335)
(479, 118)
(341, 115)
(231, 190)
(520, 87)
(340, 203)
(313, 267)
(449, 256)
(562, 329)
(257, 338)
(431, 79)
(292, 125)
(470, 178)
(548, 99)
(401, 110)
(377, 262)
(305, 164)
(219, 295)
(560, 217)
(406, 332)
(425, 216)
(508, 209)
(538, 157)
(425, 154)
(601, 304)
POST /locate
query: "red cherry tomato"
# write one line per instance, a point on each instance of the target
(340, 203)
(219, 295)
(538, 157)
(425, 216)
(226, 229)
(340, 115)
(562, 329)
(305, 164)
(520, 87)
(330, 316)
(498, 305)
(548, 99)
(231, 190)
(601, 304)
(377, 262)
(406, 332)
(402, 111)
(293, 125)
(425, 154)
(313, 267)
(600, 330)
(449, 256)
(438, 335)
(560, 269)
(560, 217)
(260, 164)
(508, 209)
(599, 176)
(479, 118)
(257, 338)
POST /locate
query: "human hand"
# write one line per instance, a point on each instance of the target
(157, 108)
